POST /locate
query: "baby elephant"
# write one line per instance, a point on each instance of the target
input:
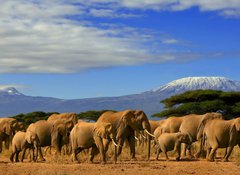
(171, 141)
(22, 141)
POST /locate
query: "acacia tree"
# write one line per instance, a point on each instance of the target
(200, 102)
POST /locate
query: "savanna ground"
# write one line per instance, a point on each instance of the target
(64, 166)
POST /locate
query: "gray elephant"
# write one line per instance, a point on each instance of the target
(50, 134)
(8, 127)
(91, 135)
(124, 123)
(191, 124)
(171, 141)
(222, 134)
(22, 141)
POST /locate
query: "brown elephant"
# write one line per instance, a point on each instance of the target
(86, 135)
(8, 127)
(222, 134)
(70, 119)
(191, 124)
(171, 141)
(23, 141)
(144, 127)
(63, 116)
(154, 124)
(50, 134)
(124, 124)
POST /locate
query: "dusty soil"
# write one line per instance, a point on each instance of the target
(139, 167)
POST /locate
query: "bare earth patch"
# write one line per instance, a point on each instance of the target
(122, 167)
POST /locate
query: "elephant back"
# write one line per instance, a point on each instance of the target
(63, 116)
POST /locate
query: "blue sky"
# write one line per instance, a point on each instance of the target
(79, 49)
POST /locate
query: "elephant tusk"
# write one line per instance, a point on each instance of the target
(143, 136)
(136, 138)
(114, 142)
(148, 133)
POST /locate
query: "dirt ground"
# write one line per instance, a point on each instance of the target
(122, 167)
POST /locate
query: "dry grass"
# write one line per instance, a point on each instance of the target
(141, 154)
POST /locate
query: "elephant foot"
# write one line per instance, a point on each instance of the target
(196, 156)
(225, 160)
(133, 158)
(177, 158)
(103, 162)
(210, 160)
(42, 159)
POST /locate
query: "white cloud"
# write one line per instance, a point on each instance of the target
(38, 38)
(42, 37)
(227, 7)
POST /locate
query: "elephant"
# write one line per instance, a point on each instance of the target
(191, 124)
(171, 141)
(69, 121)
(86, 135)
(124, 124)
(50, 134)
(64, 116)
(22, 141)
(155, 124)
(144, 126)
(8, 127)
(222, 134)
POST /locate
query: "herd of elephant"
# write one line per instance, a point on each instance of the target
(210, 130)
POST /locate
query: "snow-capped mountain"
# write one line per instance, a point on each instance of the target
(9, 91)
(195, 83)
(13, 102)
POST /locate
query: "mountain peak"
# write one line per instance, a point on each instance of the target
(9, 91)
(195, 83)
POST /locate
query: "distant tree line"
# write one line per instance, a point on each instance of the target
(32, 117)
(200, 102)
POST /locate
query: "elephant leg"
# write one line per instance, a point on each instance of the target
(17, 154)
(23, 155)
(7, 143)
(212, 153)
(121, 142)
(158, 152)
(94, 151)
(165, 153)
(131, 142)
(0, 143)
(40, 154)
(12, 156)
(229, 151)
(225, 154)
(100, 146)
(199, 150)
(208, 152)
(184, 148)
(177, 149)
(106, 144)
(75, 153)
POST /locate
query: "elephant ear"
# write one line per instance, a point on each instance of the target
(7, 129)
(237, 123)
(232, 133)
(69, 125)
(100, 131)
(207, 117)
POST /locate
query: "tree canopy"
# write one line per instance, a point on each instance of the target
(32, 117)
(200, 102)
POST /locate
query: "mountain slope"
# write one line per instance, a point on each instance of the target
(13, 102)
